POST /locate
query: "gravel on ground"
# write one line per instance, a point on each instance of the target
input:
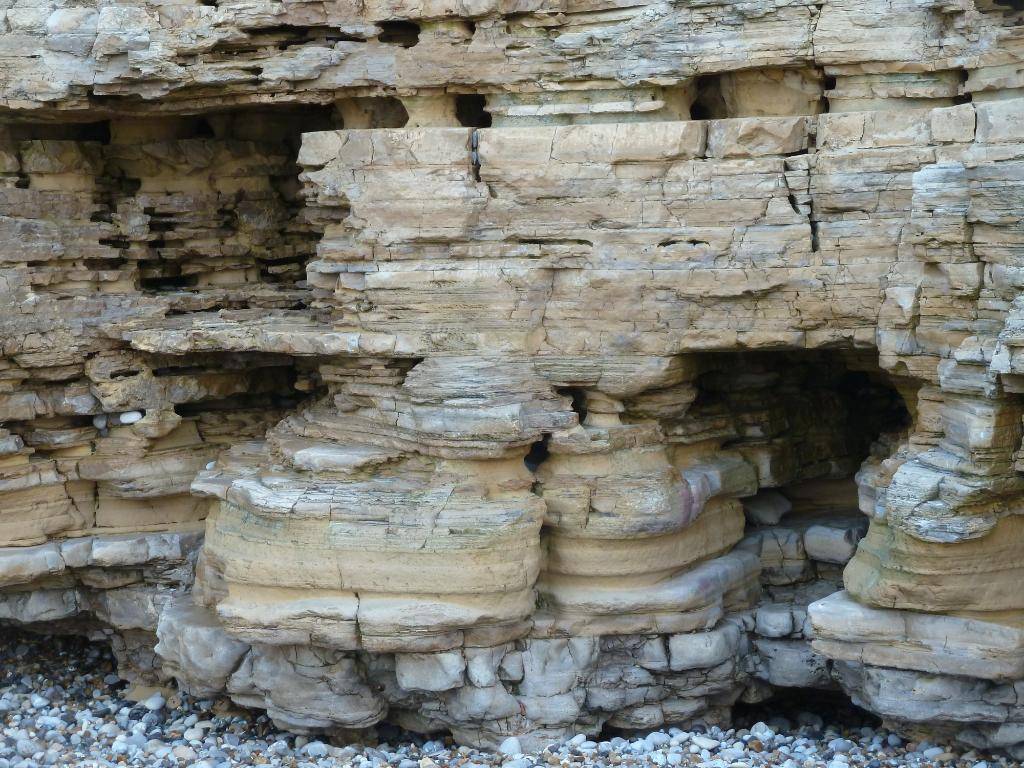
(62, 705)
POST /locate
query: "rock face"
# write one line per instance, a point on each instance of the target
(520, 369)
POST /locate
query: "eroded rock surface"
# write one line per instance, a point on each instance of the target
(520, 369)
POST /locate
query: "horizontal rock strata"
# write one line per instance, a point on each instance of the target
(520, 370)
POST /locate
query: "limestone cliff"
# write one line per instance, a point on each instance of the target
(520, 368)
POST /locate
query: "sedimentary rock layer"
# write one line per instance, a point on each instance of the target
(520, 369)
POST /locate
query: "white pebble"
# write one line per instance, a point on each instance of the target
(840, 745)
(316, 749)
(703, 742)
(511, 746)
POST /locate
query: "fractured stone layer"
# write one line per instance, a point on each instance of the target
(520, 370)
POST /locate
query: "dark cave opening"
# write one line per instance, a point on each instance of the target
(788, 708)
(807, 422)
(799, 416)
(403, 33)
(579, 400)
(708, 103)
(537, 454)
(471, 110)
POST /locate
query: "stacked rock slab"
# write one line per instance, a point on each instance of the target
(520, 371)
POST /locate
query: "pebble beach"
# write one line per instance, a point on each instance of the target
(61, 704)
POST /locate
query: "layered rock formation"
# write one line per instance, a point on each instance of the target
(520, 369)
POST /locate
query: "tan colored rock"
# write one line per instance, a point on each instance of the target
(520, 371)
